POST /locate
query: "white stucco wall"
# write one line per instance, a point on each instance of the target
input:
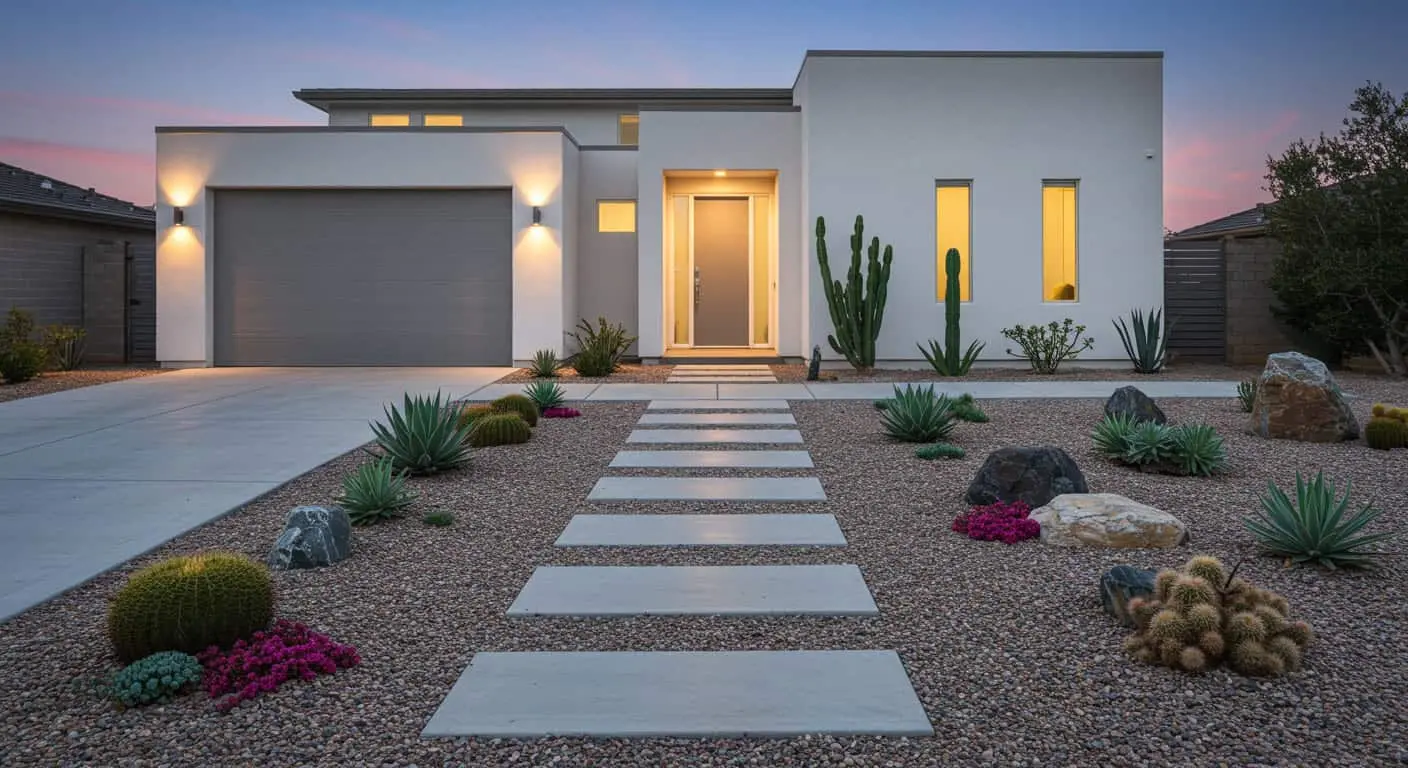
(606, 276)
(189, 163)
(571, 234)
(586, 124)
(879, 131)
(738, 140)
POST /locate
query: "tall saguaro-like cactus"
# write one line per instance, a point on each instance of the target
(945, 359)
(858, 307)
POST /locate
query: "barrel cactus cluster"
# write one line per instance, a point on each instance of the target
(1202, 616)
(1387, 428)
(519, 404)
(499, 429)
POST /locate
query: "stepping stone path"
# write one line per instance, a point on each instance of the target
(721, 374)
(724, 693)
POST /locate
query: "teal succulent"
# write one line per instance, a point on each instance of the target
(545, 394)
(1198, 449)
(1149, 443)
(159, 677)
(1112, 435)
(424, 437)
(939, 451)
(1318, 526)
(917, 415)
(375, 491)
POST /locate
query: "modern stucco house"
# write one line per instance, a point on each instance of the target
(449, 227)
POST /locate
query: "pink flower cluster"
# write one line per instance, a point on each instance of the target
(269, 658)
(561, 413)
(1004, 522)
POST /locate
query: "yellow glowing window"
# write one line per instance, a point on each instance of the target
(953, 216)
(1058, 241)
(444, 121)
(390, 120)
(628, 129)
(616, 216)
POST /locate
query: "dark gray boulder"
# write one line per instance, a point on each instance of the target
(1034, 475)
(1131, 402)
(1121, 584)
(313, 537)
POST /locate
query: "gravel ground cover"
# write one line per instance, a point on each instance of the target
(1072, 371)
(58, 381)
(1007, 646)
(631, 373)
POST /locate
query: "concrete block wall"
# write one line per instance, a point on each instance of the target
(1252, 331)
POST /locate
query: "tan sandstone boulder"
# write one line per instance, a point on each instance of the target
(1107, 520)
(1297, 399)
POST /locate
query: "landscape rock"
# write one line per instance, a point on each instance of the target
(1297, 399)
(1121, 584)
(1107, 520)
(1132, 402)
(313, 537)
(1034, 475)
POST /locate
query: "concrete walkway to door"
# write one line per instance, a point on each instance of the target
(92, 477)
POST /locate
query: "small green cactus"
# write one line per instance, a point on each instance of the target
(1385, 433)
(439, 518)
(519, 404)
(499, 429)
(939, 451)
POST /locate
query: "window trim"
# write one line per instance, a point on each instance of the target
(1074, 185)
(372, 116)
(621, 120)
(939, 272)
(635, 215)
(458, 118)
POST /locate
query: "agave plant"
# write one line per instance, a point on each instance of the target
(917, 415)
(1145, 344)
(374, 491)
(545, 364)
(424, 437)
(1246, 394)
(1318, 527)
(1111, 435)
(545, 394)
(1198, 449)
(1149, 443)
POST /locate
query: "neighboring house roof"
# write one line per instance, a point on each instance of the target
(1249, 222)
(32, 192)
(322, 98)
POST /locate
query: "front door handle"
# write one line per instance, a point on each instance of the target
(698, 286)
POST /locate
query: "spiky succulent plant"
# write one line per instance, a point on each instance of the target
(1111, 435)
(424, 436)
(917, 415)
(1149, 443)
(1198, 449)
(373, 492)
(545, 394)
(1319, 526)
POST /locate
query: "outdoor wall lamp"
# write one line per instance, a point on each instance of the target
(178, 217)
(537, 216)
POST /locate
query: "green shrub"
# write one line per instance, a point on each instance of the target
(1145, 344)
(21, 358)
(1246, 394)
(469, 413)
(1187, 449)
(965, 408)
(1318, 526)
(65, 346)
(424, 437)
(1198, 450)
(1045, 347)
(190, 603)
(917, 415)
(1111, 435)
(545, 395)
(939, 451)
(600, 349)
(1149, 443)
(499, 429)
(519, 404)
(1385, 434)
(545, 364)
(157, 678)
(373, 492)
(439, 518)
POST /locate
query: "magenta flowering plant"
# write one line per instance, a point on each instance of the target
(561, 413)
(286, 651)
(1005, 522)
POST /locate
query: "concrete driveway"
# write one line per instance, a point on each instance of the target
(90, 478)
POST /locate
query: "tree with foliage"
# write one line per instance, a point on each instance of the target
(1341, 215)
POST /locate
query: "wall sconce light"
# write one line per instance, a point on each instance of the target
(178, 217)
(720, 174)
(537, 216)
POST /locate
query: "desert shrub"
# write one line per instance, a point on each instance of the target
(1198, 450)
(545, 364)
(190, 603)
(499, 429)
(545, 395)
(424, 437)
(965, 408)
(600, 349)
(1246, 394)
(561, 413)
(1005, 522)
(519, 404)
(939, 451)
(1201, 616)
(268, 659)
(1318, 526)
(1145, 344)
(917, 415)
(157, 678)
(65, 345)
(1186, 449)
(373, 492)
(438, 518)
(21, 358)
(469, 413)
(1045, 347)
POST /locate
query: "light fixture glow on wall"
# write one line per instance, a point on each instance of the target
(537, 216)
(720, 174)
(178, 217)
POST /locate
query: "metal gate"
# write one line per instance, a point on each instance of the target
(1195, 299)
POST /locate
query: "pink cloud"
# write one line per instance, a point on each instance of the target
(157, 111)
(130, 176)
(1220, 170)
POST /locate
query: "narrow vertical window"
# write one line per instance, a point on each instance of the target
(391, 120)
(953, 216)
(1058, 241)
(628, 129)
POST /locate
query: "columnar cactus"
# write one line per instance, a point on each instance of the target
(1202, 615)
(858, 307)
(946, 360)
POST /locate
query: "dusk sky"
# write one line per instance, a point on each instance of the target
(83, 82)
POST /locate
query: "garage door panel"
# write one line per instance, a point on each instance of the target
(363, 277)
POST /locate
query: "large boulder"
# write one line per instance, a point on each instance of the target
(1107, 520)
(1121, 584)
(1297, 399)
(312, 537)
(1130, 401)
(1034, 475)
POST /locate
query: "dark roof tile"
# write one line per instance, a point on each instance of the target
(35, 190)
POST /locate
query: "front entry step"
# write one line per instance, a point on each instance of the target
(689, 694)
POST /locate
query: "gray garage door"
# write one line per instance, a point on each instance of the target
(363, 277)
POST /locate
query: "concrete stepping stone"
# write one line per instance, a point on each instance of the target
(714, 459)
(719, 436)
(707, 489)
(721, 419)
(798, 530)
(723, 367)
(713, 372)
(717, 405)
(695, 590)
(688, 694)
(720, 380)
